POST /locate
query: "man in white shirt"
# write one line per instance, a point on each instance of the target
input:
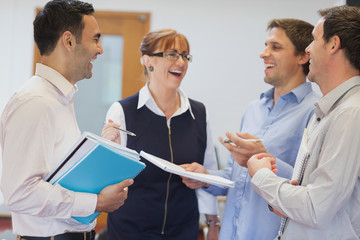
(38, 126)
(325, 204)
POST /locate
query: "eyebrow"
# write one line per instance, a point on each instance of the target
(273, 42)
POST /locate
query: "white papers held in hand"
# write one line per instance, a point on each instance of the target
(175, 169)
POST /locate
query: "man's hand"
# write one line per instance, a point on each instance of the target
(113, 196)
(241, 150)
(194, 167)
(111, 133)
(262, 160)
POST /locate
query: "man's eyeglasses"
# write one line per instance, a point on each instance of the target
(172, 55)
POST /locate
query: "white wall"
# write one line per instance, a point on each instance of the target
(226, 38)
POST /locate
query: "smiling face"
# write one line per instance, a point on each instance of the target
(281, 63)
(168, 73)
(87, 50)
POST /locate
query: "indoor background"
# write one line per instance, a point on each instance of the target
(226, 38)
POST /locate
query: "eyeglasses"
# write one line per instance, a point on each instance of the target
(172, 55)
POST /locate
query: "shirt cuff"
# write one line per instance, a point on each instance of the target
(207, 202)
(84, 204)
(260, 176)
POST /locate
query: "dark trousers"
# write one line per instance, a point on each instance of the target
(65, 236)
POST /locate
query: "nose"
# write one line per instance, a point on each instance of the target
(181, 59)
(264, 53)
(100, 50)
(307, 50)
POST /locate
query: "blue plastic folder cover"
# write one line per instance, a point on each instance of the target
(103, 164)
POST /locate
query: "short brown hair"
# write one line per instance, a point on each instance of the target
(299, 32)
(57, 17)
(344, 22)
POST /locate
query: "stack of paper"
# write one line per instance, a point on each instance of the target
(173, 168)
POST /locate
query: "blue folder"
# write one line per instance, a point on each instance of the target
(102, 165)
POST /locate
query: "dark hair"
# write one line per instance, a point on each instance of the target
(299, 32)
(162, 39)
(344, 22)
(57, 17)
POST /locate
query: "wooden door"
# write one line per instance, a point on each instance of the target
(132, 27)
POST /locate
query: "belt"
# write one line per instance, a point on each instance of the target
(65, 236)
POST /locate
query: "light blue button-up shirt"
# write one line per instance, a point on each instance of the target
(281, 126)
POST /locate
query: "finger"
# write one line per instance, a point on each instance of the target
(185, 166)
(111, 124)
(126, 183)
(238, 142)
(185, 178)
(195, 167)
(294, 182)
(274, 168)
(231, 136)
(227, 145)
(260, 155)
(245, 135)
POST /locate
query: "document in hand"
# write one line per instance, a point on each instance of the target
(175, 169)
(92, 164)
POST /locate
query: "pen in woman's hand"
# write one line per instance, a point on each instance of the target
(123, 130)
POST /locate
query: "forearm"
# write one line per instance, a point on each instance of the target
(207, 202)
(42, 199)
(215, 190)
(213, 224)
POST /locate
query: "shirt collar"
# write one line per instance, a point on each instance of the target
(146, 99)
(56, 79)
(325, 104)
(299, 92)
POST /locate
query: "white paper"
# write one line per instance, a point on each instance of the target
(175, 169)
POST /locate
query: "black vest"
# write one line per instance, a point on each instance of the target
(160, 206)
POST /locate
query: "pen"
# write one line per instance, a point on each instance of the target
(123, 130)
(226, 140)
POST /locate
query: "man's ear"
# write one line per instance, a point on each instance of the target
(67, 40)
(334, 44)
(304, 58)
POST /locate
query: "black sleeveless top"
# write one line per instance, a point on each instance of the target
(159, 205)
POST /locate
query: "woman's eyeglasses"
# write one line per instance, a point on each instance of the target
(172, 55)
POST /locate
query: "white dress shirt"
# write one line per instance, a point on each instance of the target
(327, 204)
(38, 127)
(207, 202)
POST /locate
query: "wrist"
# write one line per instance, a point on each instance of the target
(212, 222)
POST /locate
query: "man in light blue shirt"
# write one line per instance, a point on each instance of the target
(279, 117)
